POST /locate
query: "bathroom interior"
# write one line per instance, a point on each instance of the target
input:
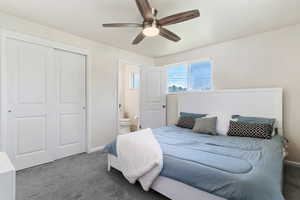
(128, 97)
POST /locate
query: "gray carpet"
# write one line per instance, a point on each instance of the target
(292, 183)
(84, 177)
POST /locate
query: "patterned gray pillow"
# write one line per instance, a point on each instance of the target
(255, 130)
(207, 125)
(186, 122)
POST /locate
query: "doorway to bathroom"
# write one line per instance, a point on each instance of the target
(128, 97)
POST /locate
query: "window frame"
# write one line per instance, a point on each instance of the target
(188, 65)
(131, 78)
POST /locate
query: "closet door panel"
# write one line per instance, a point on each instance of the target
(71, 74)
(31, 135)
(29, 120)
(71, 103)
(69, 130)
(32, 73)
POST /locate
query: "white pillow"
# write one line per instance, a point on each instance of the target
(222, 122)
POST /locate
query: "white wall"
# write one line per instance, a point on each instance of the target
(104, 62)
(271, 59)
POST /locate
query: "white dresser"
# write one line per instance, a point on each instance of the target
(7, 178)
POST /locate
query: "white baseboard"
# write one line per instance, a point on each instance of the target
(100, 148)
(292, 163)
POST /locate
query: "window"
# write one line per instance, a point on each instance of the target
(177, 78)
(192, 76)
(134, 80)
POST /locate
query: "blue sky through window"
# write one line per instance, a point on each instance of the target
(177, 78)
(201, 75)
(195, 76)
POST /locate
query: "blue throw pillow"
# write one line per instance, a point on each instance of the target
(254, 120)
(192, 115)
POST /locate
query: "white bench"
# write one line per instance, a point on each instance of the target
(7, 178)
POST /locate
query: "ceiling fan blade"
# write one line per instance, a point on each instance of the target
(139, 38)
(169, 35)
(145, 9)
(117, 25)
(180, 17)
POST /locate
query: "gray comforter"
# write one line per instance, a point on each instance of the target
(230, 167)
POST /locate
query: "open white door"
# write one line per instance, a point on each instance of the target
(153, 97)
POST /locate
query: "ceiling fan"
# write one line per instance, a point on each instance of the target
(153, 26)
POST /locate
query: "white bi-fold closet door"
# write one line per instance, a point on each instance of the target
(46, 103)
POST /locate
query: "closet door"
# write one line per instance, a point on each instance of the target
(70, 109)
(31, 93)
(46, 103)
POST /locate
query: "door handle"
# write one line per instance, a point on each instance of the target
(9, 111)
(164, 106)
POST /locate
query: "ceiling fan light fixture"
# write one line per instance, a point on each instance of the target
(151, 31)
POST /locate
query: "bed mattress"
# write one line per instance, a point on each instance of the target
(236, 168)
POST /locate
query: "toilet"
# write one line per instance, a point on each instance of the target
(124, 126)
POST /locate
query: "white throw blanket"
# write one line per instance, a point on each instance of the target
(140, 156)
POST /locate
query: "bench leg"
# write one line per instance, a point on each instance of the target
(108, 164)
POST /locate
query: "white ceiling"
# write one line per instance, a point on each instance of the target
(220, 20)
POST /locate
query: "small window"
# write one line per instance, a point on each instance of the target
(200, 76)
(134, 80)
(189, 77)
(177, 78)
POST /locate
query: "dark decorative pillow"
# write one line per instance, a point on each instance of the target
(186, 122)
(255, 130)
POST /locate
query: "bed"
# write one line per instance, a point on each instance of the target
(204, 167)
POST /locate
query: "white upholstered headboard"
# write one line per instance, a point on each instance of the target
(249, 102)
